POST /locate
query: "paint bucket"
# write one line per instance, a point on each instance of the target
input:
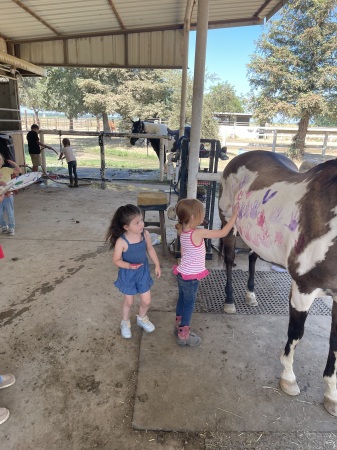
(1, 253)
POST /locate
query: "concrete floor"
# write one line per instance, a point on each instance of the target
(81, 386)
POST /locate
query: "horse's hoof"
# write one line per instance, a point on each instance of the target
(330, 406)
(251, 299)
(229, 308)
(289, 387)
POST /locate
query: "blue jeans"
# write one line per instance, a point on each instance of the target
(7, 207)
(187, 295)
(72, 165)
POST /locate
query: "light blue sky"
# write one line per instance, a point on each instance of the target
(228, 52)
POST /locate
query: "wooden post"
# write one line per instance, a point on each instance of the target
(102, 153)
(161, 160)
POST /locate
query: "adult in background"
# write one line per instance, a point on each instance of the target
(35, 146)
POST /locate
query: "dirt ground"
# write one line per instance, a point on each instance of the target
(59, 326)
(59, 331)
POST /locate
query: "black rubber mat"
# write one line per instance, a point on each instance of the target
(271, 290)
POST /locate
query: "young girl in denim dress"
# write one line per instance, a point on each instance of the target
(192, 268)
(132, 244)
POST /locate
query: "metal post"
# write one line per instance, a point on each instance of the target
(161, 160)
(198, 93)
(183, 95)
(102, 153)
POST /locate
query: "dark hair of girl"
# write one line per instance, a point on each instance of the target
(122, 217)
(66, 142)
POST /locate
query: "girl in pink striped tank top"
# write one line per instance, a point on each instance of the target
(192, 267)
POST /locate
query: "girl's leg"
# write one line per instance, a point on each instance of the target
(75, 173)
(144, 304)
(9, 208)
(125, 323)
(187, 295)
(3, 223)
(70, 171)
(128, 302)
(142, 319)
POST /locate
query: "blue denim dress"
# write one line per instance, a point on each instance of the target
(139, 281)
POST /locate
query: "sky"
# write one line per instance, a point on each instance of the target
(228, 53)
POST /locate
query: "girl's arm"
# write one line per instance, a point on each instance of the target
(202, 233)
(152, 253)
(17, 170)
(117, 259)
(62, 155)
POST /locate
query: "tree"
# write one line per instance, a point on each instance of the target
(224, 99)
(294, 70)
(144, 93)
(63, 92)
(33, 95)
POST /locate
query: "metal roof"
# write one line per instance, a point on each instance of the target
(26, 20)
(115, 33)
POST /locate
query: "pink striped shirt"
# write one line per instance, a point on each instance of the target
(192, 264)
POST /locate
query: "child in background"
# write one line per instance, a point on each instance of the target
(192, 268)
(131, 244)
(7, 205)
(68, 153)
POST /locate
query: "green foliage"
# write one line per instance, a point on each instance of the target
(223, 98)
(33, 94)
(294, 70)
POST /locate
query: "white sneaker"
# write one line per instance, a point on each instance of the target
(4, 230)
(126, 329)
(4, 414)
(6, 380)
(11, 232)
(145, 324)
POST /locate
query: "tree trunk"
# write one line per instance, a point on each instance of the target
(71, 123)
(106, 127)
(37, 118)
(299, 138)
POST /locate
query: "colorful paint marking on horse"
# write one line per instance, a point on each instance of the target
(290, 219)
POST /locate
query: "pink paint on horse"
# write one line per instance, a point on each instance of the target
(290, 220)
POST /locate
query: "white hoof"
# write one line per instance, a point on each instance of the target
(289, 387)
(330, 406)
(251, 299)
(229, 308)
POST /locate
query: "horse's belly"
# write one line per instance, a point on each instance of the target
(268, 220)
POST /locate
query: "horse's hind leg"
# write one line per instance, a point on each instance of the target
(330, 394)
(250, 294)
(297, 318)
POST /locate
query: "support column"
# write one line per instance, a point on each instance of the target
(183, 95)
(198, 95)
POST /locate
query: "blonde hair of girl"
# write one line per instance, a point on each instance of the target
(190, 211)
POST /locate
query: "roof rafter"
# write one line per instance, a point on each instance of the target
(118, 17)
(29, 11)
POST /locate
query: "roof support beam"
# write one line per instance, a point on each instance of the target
(17, 63)
(29, 11)
(118, 17)
(187, 24)
(198, 95)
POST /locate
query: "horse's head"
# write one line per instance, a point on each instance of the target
(137, 128)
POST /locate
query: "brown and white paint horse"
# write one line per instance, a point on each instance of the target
(290, 219)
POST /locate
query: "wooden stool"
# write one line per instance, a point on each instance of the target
(154, 201)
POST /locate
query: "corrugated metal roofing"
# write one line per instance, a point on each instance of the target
(121, 33)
